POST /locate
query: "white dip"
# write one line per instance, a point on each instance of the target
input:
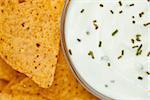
(118, 68)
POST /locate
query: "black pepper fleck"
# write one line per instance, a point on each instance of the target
(101, 5)
(38, 45)
(140, 78)
(133, 17)
(133, 22)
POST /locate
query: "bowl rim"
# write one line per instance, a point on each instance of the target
(72, 67)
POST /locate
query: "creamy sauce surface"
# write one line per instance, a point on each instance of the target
(109, 44)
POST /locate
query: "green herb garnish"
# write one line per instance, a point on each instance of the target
(131, 5)
(120, 11)
(115, 32)
(120, 3)
(82, 11)
(111, 11)
(148, 73)
(100, 44)
(88, 33)
(146, 24)
(91, 54)
(136, 46)
(132, 40)
(95, 25)
(122, 53)
(138, 37)
(139, 51)
(108, 64)
(148, 54)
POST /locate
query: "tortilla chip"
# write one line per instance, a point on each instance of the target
(6, 72)
(3, 83)
(5, 96)
(65, 86)
(19, 77)
(30, 36)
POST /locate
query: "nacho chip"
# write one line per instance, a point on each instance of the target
(65, 86)
(30, 36)
(19, 77)
(3, 83)
(6, 72)
(5, 96)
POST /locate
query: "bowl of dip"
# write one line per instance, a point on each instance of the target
(107, 44)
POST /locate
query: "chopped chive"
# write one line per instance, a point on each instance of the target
(136, 46)
(132, 40)
(131, 5)
(112, 81)
(100, 44)
(70, 52)
(94, 21)
(82, 11)
(108, 64)
(148, 73)
(87, 32)
(95, 25)
(139, 52)
(139, 47)
(148, 54)
(101, 5)
(146, 24)
(120, 3)
(119, 57)
(140, 78)
(122, 52)
(141, 14)
(111, 11)
(120, 11)
(106, 85)
(91, 54)
(115, 32)
(138, 37)
(79, 40)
